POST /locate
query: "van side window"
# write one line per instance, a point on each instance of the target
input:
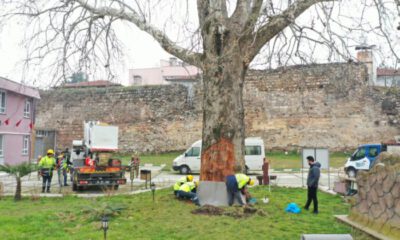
(193, 152)
(360, 154)
(252, 150)
(373, 151)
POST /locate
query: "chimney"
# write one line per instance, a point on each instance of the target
(365, 55)
(173, 61)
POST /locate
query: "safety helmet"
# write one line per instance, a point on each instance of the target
(251, 182)
(50, 151)
(189, 178)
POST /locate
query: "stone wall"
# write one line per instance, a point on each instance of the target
(377, 204)
(327, 105)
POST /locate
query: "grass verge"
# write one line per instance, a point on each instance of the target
(166, 218)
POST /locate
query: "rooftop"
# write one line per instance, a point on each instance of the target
(97, 83)
(12, 86)
(387, 72)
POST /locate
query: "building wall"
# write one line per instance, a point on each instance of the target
(149, 76)
(12, 134)
(329, 105)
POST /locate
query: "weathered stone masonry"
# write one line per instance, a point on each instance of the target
(319, 105)
(377, 204)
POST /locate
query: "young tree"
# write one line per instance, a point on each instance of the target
(226, 37)
(78, 77)
(18, 171)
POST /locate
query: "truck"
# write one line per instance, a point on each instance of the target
(365, 155)
(189, 161)
(92, 158)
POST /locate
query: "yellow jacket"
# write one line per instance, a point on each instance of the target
(242, 180)
(187, 187)
(179, 183)
(47, 162)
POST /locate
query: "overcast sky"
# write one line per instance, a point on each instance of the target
(141, 50)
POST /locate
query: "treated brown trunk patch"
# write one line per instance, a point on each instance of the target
(218, 161)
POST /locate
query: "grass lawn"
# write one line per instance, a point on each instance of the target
(156, 159)
(279, 160)
(167, 218)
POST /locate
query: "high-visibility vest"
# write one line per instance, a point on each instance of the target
(187, 187)
(47, 162)
(242, 180)
(181, 181)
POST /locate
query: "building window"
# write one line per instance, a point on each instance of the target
(27, 109)
(2, 101)
(41, 133)
(137, 80)
(1, 146)
(25, 145)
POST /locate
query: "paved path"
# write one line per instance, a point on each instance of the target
(31, 185)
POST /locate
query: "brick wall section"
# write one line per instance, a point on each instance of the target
(327, 105)
(318, 105)
(154, 119)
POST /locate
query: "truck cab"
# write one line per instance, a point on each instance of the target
(362, 159)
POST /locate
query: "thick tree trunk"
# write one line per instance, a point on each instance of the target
(223, 118)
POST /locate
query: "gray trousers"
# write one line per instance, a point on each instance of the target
(188, 195)
(235, 195)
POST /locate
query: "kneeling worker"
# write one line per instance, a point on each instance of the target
(182, 180)
(236, 185)
(188, 191)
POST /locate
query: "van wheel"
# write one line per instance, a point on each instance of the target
(184, 170)
(74, 187)
(351, 172)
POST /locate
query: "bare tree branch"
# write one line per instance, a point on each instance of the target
(158, 35)
(275, 25)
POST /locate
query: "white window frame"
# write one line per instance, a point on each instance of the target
(1, 146)
(3, 106)
(27, 108)
(41, 133)
(25, 145)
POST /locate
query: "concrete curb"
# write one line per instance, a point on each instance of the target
(369, 231)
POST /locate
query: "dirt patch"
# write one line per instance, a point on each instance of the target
(235, 212)
(209, 210)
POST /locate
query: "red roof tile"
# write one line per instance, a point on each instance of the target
(97, 83)
(387, 72)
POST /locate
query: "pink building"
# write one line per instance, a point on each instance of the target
(17, 118)
(171, 71)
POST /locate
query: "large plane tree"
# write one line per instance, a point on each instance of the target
(226, 36)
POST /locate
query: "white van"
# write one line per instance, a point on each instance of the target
(189, 161)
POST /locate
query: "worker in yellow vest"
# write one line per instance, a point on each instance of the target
(188, 191)
(182, 180)
(236, 185)
(46, 166)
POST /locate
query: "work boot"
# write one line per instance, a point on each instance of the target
(48, 189)
(43, 188)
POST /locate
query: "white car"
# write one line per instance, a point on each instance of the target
(189, 161)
